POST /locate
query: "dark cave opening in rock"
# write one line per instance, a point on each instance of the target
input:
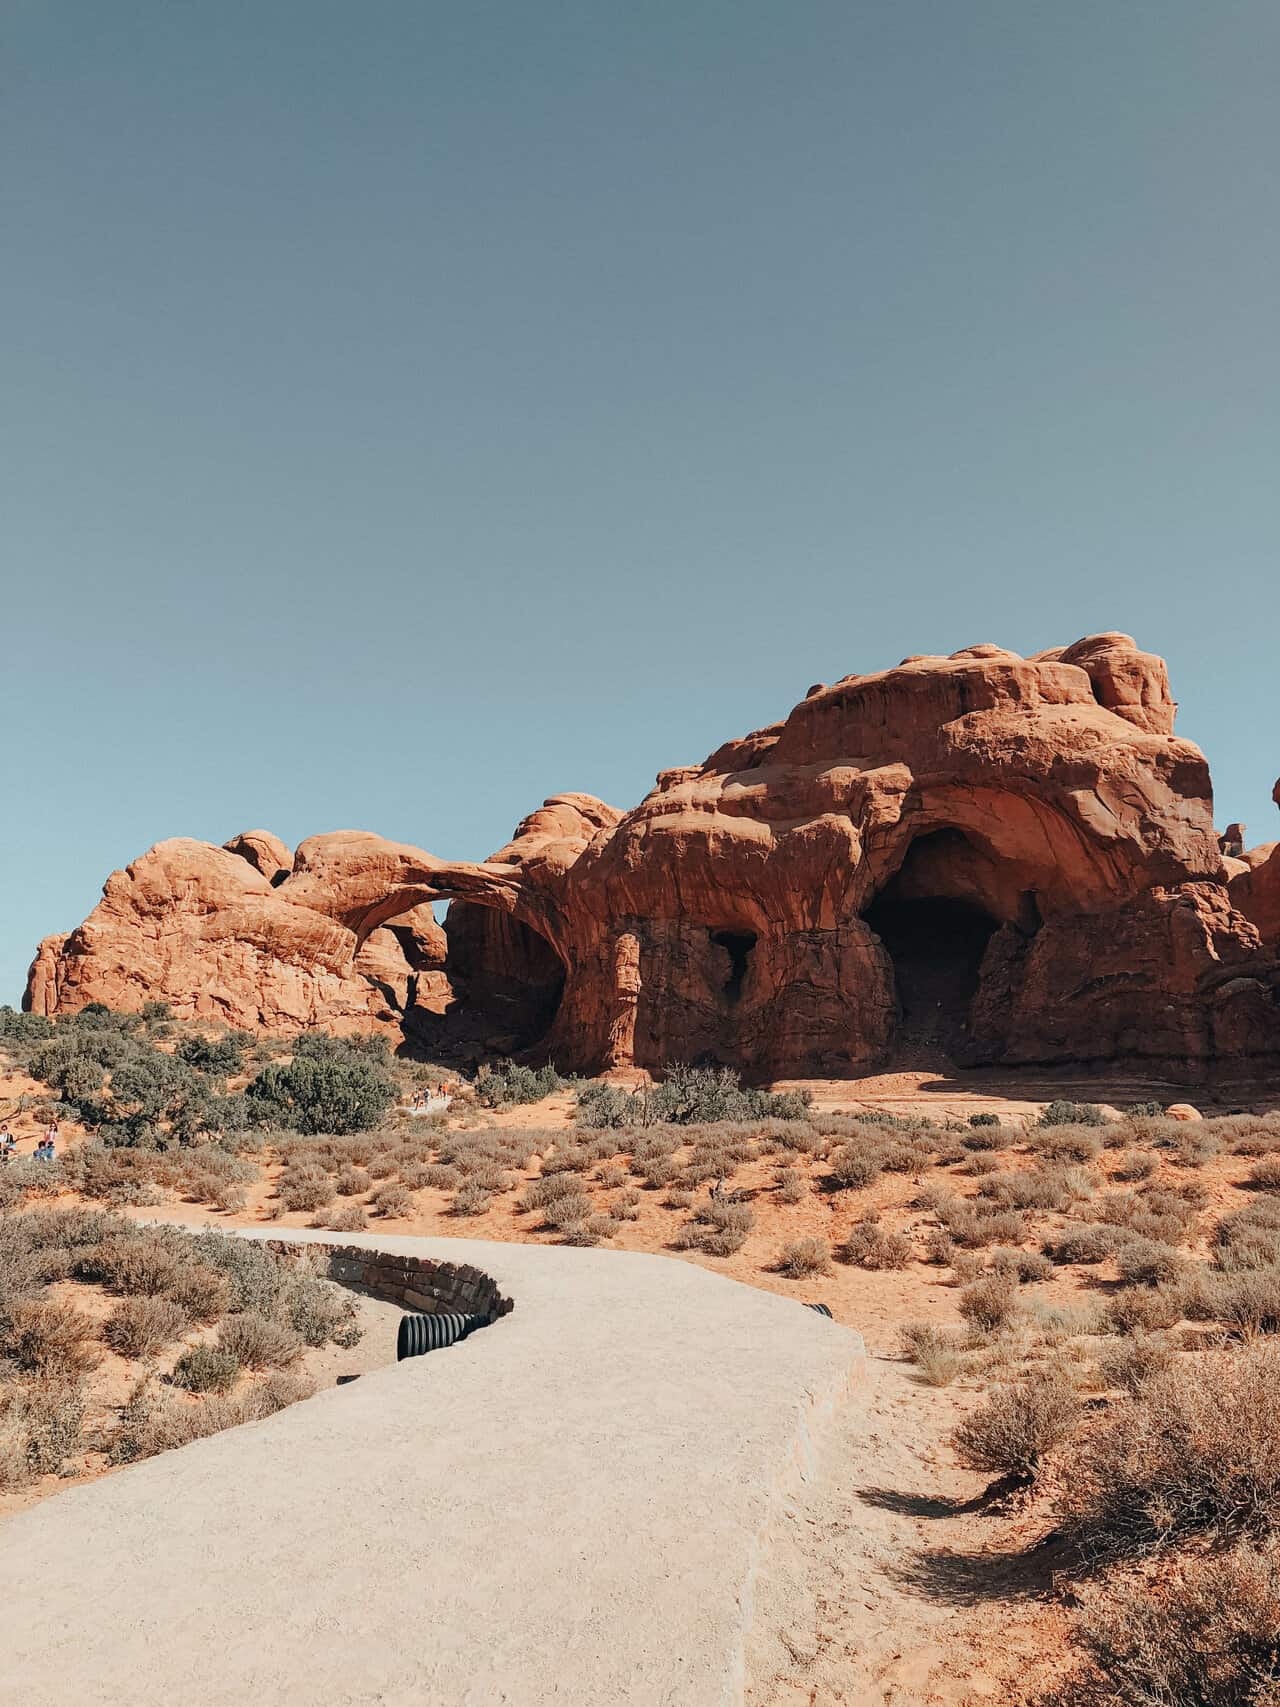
(507, 978)
(502, 987)
(936, 944)
(737, 945)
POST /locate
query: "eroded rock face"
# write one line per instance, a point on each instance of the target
(1256, 888)
(980, 857)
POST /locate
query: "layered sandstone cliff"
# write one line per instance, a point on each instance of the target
(980, 857)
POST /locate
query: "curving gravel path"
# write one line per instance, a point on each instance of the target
(570, 1507)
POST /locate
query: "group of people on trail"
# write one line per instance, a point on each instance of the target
(435, 1096)
(45, 1151)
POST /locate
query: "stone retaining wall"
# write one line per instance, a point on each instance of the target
(417, 1283)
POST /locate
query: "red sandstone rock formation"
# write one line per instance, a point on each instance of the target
(988, 857)
(1255, 889)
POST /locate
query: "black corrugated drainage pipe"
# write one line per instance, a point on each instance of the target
(822, 1310)
(418, 1334)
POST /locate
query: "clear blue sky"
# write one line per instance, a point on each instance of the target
(412, 410)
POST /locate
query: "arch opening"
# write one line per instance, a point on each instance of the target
(479, 983)
(935, 921)
(498, 991)
(737, 945)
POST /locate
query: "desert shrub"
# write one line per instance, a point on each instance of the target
(1144, 1309)
(331, 1085)
(353, 1182)
(393, 1202)
(491, 1178)
(1265, 1175)
(979, 1224)
(1148, 1110)
(566, 1159)
(218, 1055)
(1195, 1450)
(612, 1176)
(1149, 1262)
(1133, 1362)
(871, 1246)
(702, 1095)
(1250, 1238)
(934, 1352)
(966, 1267)
(567, 1210)
(939, 1247)
(987, 1137)
(152, 1423)
(1026, 1267)
(1086, 1242)
(1072, 1114)
(1192, 1146)
(1136, 1165)
(1011, 1432)
(723, 1226)
(351, 1218)
(856, 1166)
(625, 1206)
(790, 1187)
(547, 1188)
(1065, 1143)
(259, 1342)
(981, 1164)
(40, 1427)
(1212, 1642)
(140, 1327)
(511, 1085)
(905, 1156)
(988, 1304)
(205, 1369)
(46, 1336)
(1152, 1212)
(21, 1028)
(1246, 1299)
(251, 1276)
(1052, 1186)
(1053, 1324)
(131, 1262)
(801, 1257)
(601, 1106)
(591, 1230)
(317, 1311)
(305, 1191)
(470, 1199)
(985, 1119)
(1248, 1137)
(200, 1291)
